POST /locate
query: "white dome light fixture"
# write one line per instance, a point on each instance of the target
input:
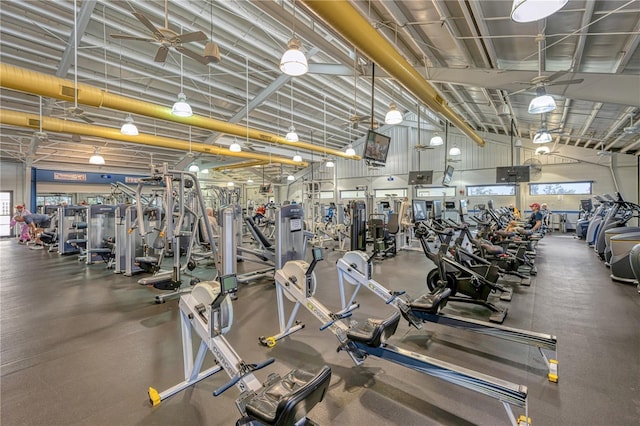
(249, 180)
(534, 10)
(292, 136)
(96, 158)
(128, 127)
(330, 164)
(350, 150)
(393, 116)
(454, 151)
(542, 136)
(297, 158)
(293, 61)
(193, 168)
(542, 103)
(436, 140)
(181, 108)
(230, 184)
(542, 150)
(291, 178)
(235, 147)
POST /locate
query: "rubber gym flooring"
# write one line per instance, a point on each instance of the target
(80, 345)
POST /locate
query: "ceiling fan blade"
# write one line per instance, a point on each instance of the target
(128, 37)
(161, 54)
(555, 75)
(519, 91)
(86, 119)
(565, 82)
(189, 37)
(147, 23)
(192, 55)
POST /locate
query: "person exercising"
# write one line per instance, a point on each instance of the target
(36, 222)
(535, 221)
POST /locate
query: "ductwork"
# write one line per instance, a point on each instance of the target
(28, 81)
(346, 20)
(32, 121)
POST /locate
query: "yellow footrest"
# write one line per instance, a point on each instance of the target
(154, 397)
(553, 371)
(524, 421)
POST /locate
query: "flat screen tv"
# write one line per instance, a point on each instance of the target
(419, 210)
(450, 205)
(448, 174)
(514, 174)
(265, 189)
(421, 178)
(376, 148)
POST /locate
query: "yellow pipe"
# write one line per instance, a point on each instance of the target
(29, 81)
(346, 20)
(242, 165)
(50, 124)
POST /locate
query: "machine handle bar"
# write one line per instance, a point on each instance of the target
(235, 379)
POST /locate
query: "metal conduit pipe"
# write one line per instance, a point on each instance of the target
(32, 121)
(346, 20)
(242, 165)
(29, 81)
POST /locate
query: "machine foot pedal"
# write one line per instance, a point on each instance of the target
(498, 317)
(524, 421)
(507, 295)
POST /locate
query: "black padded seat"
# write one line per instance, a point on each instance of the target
(430, 303)
(374, 331)
(146, 259)
(290, 398)
(79, 225)
(76, 241)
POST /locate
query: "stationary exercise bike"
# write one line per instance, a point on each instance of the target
(475, 285)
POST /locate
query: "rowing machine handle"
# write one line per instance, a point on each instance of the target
(235, 379)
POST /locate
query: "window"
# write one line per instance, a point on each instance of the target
(352, 194)
(561, 188)
(326, 195)
(482, 190)
(53, 200)
(436, 191)
(395, 192)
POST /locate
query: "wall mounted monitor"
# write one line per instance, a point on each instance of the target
(429, 204)
(376, 148)
(450, 205)
(437, 209)
(419, 210)
(421, 178)
(448, 174)
(514, 174)
(586, 205)
(265, 189)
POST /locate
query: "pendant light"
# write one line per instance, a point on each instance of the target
(292, 136)
(542, 103)
(96, 158)
(128, 127)
(350, 150)
(393, 116)
(542, 136)
(293, 61)
(205, 171)
(291, 178)
(454, 151)
(329, 164)
(297, 158)
(194, 168)
(235, 146)
(534, 10)
(436, 140)
(181, 108)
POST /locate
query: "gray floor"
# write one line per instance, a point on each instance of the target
(81, 345)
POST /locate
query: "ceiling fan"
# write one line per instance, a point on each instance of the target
(541, 81)
(74, 112)
(167, 38)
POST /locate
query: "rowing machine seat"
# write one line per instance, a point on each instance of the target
(374, 331)
(285, 401)
(430, 303)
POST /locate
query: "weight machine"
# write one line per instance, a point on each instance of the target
(296, 281)
(208, 311)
